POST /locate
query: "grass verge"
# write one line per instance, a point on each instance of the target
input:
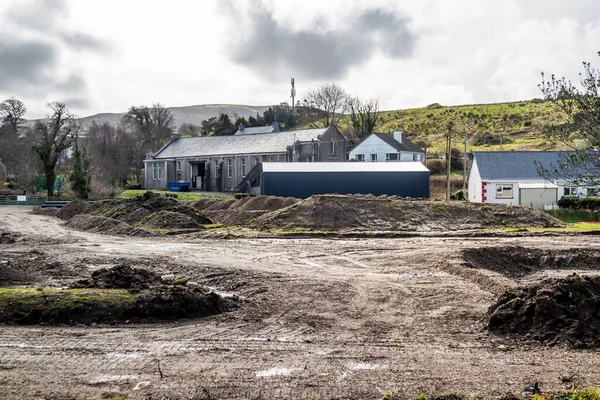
(181, 196)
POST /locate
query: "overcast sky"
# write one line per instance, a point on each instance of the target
(107, 55)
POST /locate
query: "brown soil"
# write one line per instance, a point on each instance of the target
(8, 238)
(240, 212)
(517, 261)
(365, 212)
(171, 220)
(556, 311)
(72, 209)
(105, 225)
(153, 301)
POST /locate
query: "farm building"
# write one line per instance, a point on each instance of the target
(512, 177)
(302, 180)
(220, 163)
(382, 147)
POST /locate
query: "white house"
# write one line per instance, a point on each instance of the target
(378, 147)
(511, 177)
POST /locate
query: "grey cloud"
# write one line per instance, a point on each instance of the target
(38, 15)
(82, 41)
(24, 63)
(321, 54)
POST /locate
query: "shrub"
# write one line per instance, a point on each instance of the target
(576, 203)
(437, 167)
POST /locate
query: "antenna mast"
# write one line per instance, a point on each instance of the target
(293, 94)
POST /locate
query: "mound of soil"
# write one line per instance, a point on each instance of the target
(555, 311)
(170, 220)
(109, 226)
(8, 238)
(116, 295)
(123, 276)
(517, 261)
(366, 212)
(72, 209)
(240, 212)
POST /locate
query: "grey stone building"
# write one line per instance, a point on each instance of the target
(220, 163)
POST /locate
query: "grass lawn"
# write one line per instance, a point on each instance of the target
(181, 196)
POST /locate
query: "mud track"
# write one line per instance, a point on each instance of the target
(323, 318)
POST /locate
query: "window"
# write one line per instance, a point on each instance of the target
(374, 157)
(216, 169)
(229, 169)
(504, 191)
(592, 191)
(570, 191)
(243, 167)
(159, 171)
(391, 157)
(360, 157)
(154, 171)
(256, 161)
(332, 147)
(270, 159)
(178, 165)
(416, 157)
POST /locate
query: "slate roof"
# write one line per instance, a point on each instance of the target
(406, 144)
(515, 165)
(257, 130)
(205, 146)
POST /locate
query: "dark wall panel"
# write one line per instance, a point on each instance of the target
(305, 184)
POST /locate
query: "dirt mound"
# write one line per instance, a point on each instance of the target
(555, 311)
(115, 295)
(104, 225)
(123, 276)
(72, 209)
(171, 220)
(240, 212)
(8, 238)
(364, 212)
(517, 262)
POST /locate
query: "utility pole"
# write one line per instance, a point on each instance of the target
(465, 164)
(448, 163)
(293, 94)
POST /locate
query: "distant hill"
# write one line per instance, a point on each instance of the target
(188, 114)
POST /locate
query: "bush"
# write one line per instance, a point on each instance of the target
(437, 167)
(576, 203)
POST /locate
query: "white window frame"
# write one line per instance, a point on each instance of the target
(270, 159)
(503, 190)
(243, 167)
(360, 157)
(572, 191)
(373, 157)
(256, 161)
(388, 156)
(332, 147)
(416, 157)
(159, 172)
(229, 169)
(178, 165)
(154, 171)
(216, 169)
(592, 191)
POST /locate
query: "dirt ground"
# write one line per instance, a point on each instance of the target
(322, 318)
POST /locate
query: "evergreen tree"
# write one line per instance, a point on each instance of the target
(81, 176)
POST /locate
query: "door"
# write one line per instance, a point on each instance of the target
(537, 198)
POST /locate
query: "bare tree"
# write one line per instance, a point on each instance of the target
(364, 116)
(12, 112)
(151, 125)
(52, 138)
(331, 100)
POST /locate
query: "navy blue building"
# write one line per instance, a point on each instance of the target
(302, 180)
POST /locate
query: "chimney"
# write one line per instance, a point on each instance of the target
(276, 126)
(398, 136)
(241, 127)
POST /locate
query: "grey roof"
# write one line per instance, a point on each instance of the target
(406, 144)
(257, 130)
(205, 146)
(515, 165)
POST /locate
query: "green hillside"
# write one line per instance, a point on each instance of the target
(520, 123)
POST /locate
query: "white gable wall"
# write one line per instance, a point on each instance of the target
(374, 145)
(474, 184)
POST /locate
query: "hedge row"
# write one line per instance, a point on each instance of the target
(576, 203)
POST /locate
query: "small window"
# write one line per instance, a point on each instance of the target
(178, 165)
(570, 191)
(416, 157)
(391, 157)
(243, 167)
(154, 171)
(216, 169)
(592, 191)
(270, 159)
(360, 157)
(159, 172)
(256, 161)
(332, 147)
(229, 169)
(374, 157)
(504, 191)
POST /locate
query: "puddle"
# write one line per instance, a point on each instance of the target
(277, 371)
(123, 355)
